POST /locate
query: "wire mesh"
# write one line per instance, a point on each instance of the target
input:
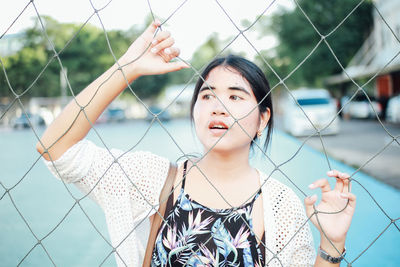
(324, 40)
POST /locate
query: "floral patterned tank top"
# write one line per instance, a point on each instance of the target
(195, 235)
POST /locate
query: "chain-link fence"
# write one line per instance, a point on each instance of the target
(277, 168)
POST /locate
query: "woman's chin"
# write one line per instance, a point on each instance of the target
(222, 148)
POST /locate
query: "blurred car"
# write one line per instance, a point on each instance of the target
(360, 107)
(393, 109)
(319, 107)
(116, 114)
(23, 121)
(112, 115)
(164, 116)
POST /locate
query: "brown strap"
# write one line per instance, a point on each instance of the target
(156, 222)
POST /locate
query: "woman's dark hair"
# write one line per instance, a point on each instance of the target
(254, 76)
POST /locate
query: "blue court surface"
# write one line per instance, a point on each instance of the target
(73, 235)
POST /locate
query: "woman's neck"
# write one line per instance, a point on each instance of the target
(225, 165)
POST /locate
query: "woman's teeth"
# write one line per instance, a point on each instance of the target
(218, 127)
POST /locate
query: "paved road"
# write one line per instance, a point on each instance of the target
(359, 144)
(38, 191)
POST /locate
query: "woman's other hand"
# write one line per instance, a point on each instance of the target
(339, 203)
(150, 54)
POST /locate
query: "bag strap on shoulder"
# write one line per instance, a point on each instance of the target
(156, 218)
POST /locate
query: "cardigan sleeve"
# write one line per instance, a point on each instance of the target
(293, 241)
(112, 176)
(303, 251)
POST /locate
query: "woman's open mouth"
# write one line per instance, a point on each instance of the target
(218, 128)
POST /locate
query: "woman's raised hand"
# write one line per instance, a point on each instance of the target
(336, 225)
(151, 55)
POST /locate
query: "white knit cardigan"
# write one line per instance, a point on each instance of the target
(127, 187)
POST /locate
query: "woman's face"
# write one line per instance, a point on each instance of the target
(212, 118)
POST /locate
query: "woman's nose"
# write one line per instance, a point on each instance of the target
(218, 108)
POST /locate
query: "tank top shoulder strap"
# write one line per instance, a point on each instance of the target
(255, 198)
(184, 174)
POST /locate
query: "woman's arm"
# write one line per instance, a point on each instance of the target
(148, 55)
(336, 211)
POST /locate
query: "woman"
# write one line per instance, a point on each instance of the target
(246, 220)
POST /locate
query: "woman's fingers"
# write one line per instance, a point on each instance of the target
(162, 45)
(342, 180)
(173, 66)
(152, 53)
(161, 36)
(343, 175)
(346, 182)
(333, 173)
(339, 185)
(322, 183)
(166, 43)
(351, 197)
(308, 203)
(346, 186)
(338, 174)
(151, 29)
(172, 52)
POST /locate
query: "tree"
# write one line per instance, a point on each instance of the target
(84, 53)
(21, 70)
(297, 38)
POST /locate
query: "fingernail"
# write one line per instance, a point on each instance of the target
(154, 50)
(343, 195)
(330, 172)
(311, 186)
(167, 51)
(154, 41)
(157, 22)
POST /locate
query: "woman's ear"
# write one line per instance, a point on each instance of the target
(264, 118)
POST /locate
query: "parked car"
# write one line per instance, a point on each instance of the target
(319, 107)
(164, 116)
(393, 109)
(23, 122)
(112, 115)
(116, 114)
(361, 108)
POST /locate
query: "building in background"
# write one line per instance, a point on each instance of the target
(379, 56)
(178, 97)
(11, 43)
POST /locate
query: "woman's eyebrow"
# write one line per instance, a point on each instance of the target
(206, 88)
(238, 88)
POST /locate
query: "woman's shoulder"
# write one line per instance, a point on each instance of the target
(271, 183)
(86, 146)
(278, 191)
(85, 155)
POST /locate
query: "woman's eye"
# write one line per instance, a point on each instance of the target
(206, 96)
(234, 97)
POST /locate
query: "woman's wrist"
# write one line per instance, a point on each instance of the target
(129, 68)
(334, 249)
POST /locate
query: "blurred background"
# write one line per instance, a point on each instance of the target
(334, 70)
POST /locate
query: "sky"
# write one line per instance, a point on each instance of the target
(190, 25)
